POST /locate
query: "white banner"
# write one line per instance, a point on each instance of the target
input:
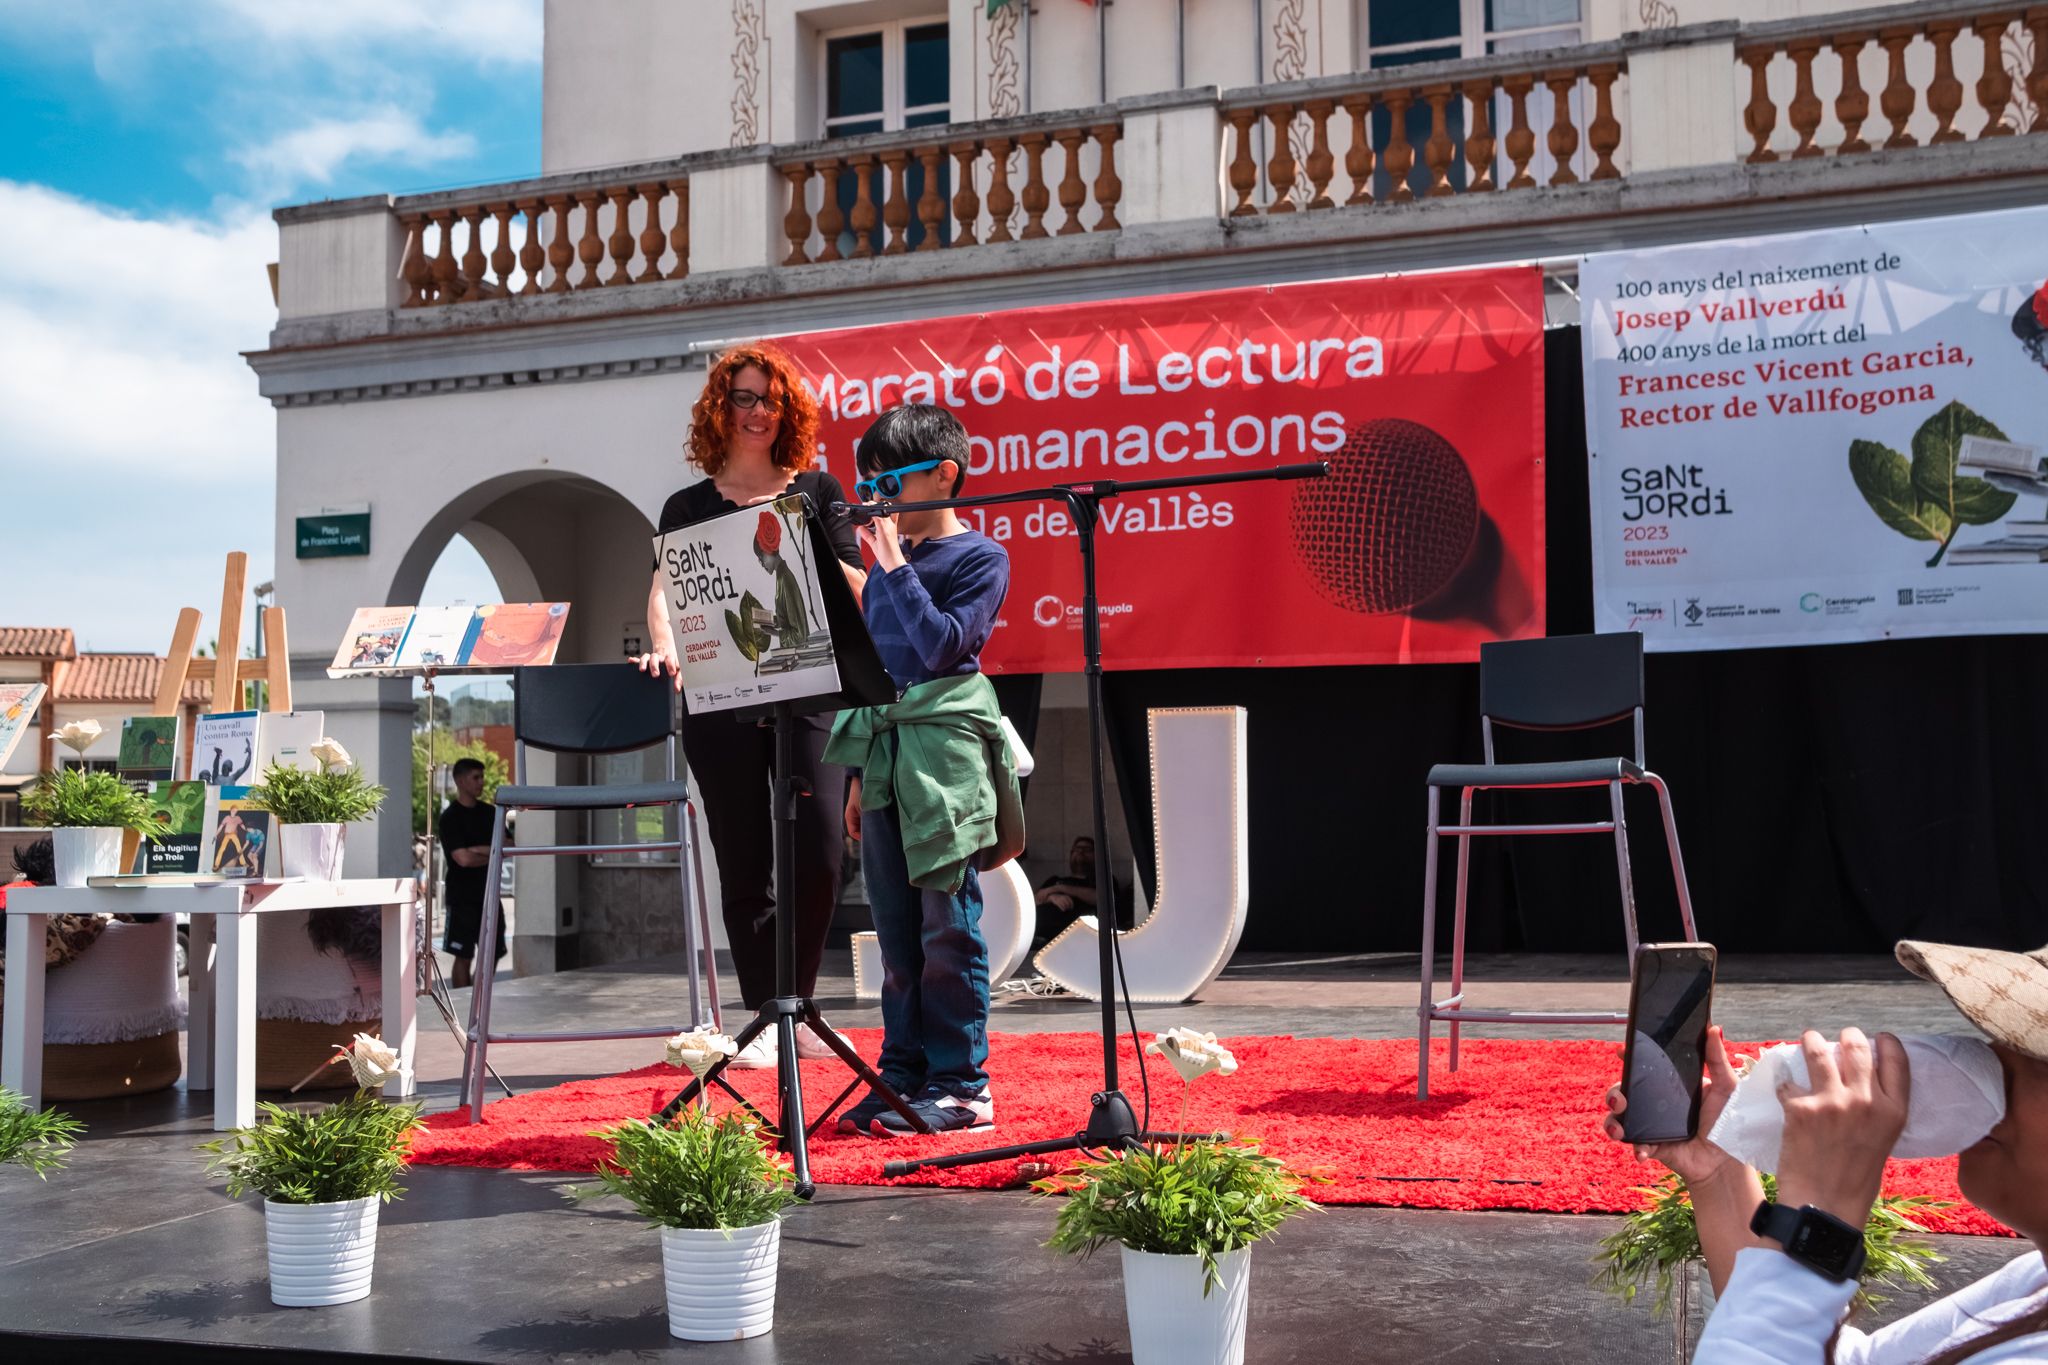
(1823, 436)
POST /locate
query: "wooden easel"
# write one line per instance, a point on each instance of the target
(228, 672)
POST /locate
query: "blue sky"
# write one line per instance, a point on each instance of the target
(143, 144)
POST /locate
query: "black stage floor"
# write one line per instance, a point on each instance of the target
(132, 1253)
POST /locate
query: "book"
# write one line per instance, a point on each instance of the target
(149, 748)
(18, 703)
(235, 837)
(2001, 552)
(224, 748)
(286, 738)
(182, 808)
(372, 639)
(439, 637)
(517, 634)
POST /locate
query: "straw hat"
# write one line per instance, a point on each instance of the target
(2004, 994)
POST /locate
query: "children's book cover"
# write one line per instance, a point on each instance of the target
(149, 748)
(182, 808)
(438, 638)
(236, 835)
(18, 703)
(517, 634)
(224, 748)
(372, 639)
(287, 739)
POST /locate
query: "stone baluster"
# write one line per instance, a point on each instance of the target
(1479, 140)
(931, 205)
(1037, 198)
(561, 252)
(862, 166)
(621, 243)
(1945, 92)
(1994, 87)
(473, 261)
(1806, 108)
(1399, 158)
(590, 247)
(796, 223)
(1358, 156)
(1760, 116)
(1897, 98)
(447, 277)
(831, 218)
(1521, 138)
(414, 269)
(1852, 105)
(966, 203)
(1002, 200)
(896, 207)
(503, 258)
(1439, 154)
(679, 235)
(532, 257)
(2037, 74)
(653, 241)
(1564, 135)
(1244, 168)
(1603, 135)
(1280, 170)
(1073, 191)
(1109, 187)
(1321, 163)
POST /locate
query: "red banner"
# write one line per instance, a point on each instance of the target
(1425, 393)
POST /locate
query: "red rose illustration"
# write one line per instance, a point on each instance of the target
(2041, 305)
(768, 534)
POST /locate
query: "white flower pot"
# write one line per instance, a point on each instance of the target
(311, 851)
(320, 1253)
(1171, 1322)
(721, 1283)
(85, 851)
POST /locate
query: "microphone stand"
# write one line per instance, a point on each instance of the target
(1111, 1123)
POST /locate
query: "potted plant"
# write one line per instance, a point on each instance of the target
(1185, 1215)
(714, 1188)
(37, 1139)
(322, 1174)
(1659, 1245)
(86, 812)
(314, 808)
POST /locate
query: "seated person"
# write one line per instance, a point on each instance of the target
(1065, 897)
(1774, 1307)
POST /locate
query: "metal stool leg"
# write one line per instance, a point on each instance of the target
(693, 849)
(1677, 860)
(483, 977)
(1428, 952)
(1628, 888)
(1458, 918)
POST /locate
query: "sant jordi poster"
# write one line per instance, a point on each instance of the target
(746, 607)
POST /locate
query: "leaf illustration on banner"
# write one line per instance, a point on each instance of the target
(1927, 499)
(749, 633)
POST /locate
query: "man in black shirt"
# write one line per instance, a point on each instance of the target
(465, 831)
(1064, 898)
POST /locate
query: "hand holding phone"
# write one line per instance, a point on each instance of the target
(1670, 1005)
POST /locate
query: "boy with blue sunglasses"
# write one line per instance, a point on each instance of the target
(935, 796)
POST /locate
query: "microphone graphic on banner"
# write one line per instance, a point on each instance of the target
(1397, 527)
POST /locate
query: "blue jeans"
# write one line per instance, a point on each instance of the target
(934, 969)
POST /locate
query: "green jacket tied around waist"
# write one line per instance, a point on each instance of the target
(939, 758)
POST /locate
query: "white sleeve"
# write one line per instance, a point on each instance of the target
(1777, 1312)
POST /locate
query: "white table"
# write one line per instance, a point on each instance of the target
(221, 1027)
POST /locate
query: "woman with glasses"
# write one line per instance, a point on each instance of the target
(753, 433)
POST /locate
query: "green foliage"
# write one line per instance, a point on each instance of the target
(73, 798)
(1197, 1198)
(695, 1172)
(298, 797)
(1656, 1241)
(40, 1140)
(446, 751)
(1927, 499)
(351, 1150)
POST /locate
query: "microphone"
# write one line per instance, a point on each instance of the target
(861, 513)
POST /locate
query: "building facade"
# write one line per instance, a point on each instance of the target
(515, 363)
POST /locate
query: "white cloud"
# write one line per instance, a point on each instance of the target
(491, 30)
(313, 153)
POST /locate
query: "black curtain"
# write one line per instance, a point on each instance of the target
(1830, 798)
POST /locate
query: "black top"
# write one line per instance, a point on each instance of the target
(466, 827)
(702, 499)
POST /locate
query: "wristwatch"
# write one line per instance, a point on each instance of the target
(1813, 1237)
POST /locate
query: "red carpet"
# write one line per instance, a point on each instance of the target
(1515, 1128)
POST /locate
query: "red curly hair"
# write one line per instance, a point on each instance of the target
(796, 444)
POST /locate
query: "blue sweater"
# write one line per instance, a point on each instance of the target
(930, 618)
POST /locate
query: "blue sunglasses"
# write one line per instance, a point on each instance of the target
(889, 483)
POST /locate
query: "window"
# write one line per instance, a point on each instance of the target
(885, 79)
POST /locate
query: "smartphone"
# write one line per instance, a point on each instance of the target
(1670, 1002)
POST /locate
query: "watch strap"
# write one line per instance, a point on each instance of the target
(1784, 1225)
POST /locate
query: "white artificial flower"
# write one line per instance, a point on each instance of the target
(697, 1051)
(331, 754)
(372, 1062)
(78, 735)
(1194, 1055)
